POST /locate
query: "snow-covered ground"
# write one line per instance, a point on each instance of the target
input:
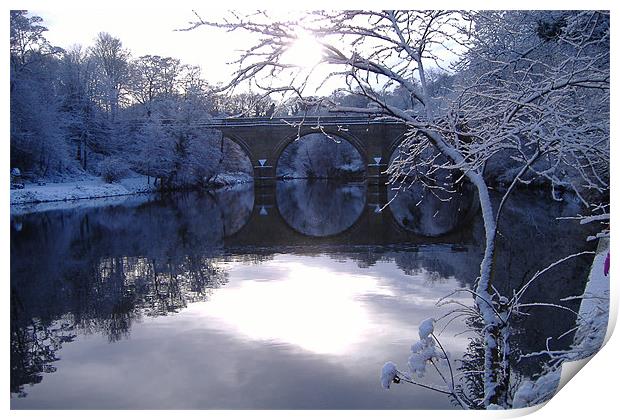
(232, 178)
(77, 190)
(594, 308)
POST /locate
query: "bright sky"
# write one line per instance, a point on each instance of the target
(146, 31)
(154, 30)
(149, 27)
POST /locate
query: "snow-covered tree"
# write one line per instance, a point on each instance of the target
(244, 104)
(84, 120)
(37, 143)
(28, 44)
(94, 109)
(152, 78)
(113, 61)
(175, 154)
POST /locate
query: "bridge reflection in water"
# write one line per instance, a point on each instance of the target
(301, 212)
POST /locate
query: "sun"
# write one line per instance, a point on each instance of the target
(304, 52)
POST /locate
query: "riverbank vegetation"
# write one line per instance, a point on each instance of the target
(99, 110)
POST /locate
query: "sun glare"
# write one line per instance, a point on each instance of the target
(305, 52)
(317, 309)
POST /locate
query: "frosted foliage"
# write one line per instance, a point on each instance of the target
(422, 353)
(96, 110)
(388, 374)
(426, 328)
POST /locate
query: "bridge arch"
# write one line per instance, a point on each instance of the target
(357, 144)
(239, 141)
(264, 140)
(395, 144)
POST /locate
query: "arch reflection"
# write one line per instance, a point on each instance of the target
(320, 207)
(235, 205)
(431, 212)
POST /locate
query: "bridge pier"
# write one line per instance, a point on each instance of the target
(375, 172)
(264, 175)
(376, 195)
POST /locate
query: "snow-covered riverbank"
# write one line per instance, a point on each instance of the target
(82, 193)
(594, 309)
(591, 332)
(77, 190)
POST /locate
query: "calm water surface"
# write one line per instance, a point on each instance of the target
(290, 297)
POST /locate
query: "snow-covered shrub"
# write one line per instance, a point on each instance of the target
(113, 169)
(533, 392)
(233, 178)
(424, 351)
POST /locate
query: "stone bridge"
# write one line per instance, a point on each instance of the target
(264, 139)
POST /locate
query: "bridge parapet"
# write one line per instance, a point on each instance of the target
(301, 121)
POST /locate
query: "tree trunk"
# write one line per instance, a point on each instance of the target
(495, 333)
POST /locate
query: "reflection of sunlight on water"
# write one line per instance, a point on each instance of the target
(319, 310)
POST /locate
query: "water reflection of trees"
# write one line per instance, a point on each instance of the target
(439, 261)
(34, 344)
(124, 289)
(320, 208)
(102, 270)
(108, 297)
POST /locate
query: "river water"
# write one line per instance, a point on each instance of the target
(286, 297)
